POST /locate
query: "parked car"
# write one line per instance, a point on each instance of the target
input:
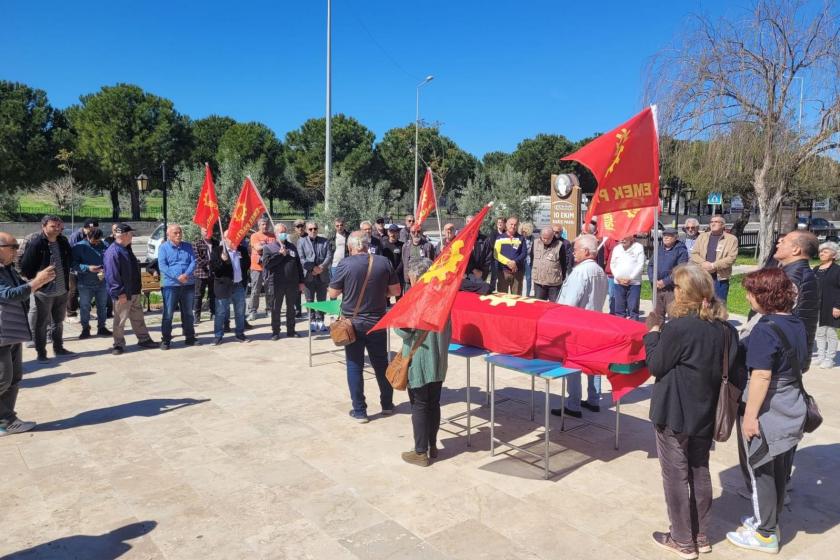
(822, 228)
(155, 240)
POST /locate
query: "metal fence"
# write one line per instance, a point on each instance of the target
(36, 210)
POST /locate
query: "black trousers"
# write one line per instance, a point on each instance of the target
(688, 485)
(49, 309)
(11, 372)
(769, 489)
(547, 293)
(72, 294)
(315, 290)
(203, 285)
(425, 414)
(290, 294)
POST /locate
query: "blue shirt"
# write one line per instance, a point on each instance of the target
(86, 255)
(174, 261)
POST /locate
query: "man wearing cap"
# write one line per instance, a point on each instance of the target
(122, 276)
(77, 236)
(672, 252)
(49, 248)
(87, 264)
(14, 330)
(417, 248)
(392, 250)
(176, 260)
(379, 231)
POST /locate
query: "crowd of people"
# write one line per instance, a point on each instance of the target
(689, 346)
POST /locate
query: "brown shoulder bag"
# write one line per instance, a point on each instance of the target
(397, 372)
(341, 330)
(729, 397)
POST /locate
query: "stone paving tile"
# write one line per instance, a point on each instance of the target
(243, 451)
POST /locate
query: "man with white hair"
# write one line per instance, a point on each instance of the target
(176, 260)
(585, 287)
(547, 265)
(692, 232)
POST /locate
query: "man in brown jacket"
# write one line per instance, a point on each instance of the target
(547, 265)
(716, 252)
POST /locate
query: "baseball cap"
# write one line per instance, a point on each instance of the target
(90, 222)
(393, 227)
(380, 220)
(669, 231)
(123, 228)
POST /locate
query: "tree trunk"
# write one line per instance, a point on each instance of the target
(115, 203)
(135, 203)
(769, 203)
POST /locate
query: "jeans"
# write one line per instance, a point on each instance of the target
(100, 294)
(11, 372)
(237, 296)
(684, 461)
(593, 390)
(183, 297)
(611, 293)
(354, 354)
(722, 289)
(425, 414)
(627, 300)
(315, 290)
(547, 293)
(527, 291)
(49, 309)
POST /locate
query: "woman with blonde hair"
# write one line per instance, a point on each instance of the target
(686, 355)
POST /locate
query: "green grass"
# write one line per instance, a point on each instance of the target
(736, 302)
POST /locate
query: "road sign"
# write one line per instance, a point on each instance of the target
(715, 199)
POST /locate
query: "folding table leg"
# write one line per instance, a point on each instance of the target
(563, 406)
(533, 379)
(617, 416)
(547, 424)
(468, 403)
(487, 372)
(492, 410)
(310, 347)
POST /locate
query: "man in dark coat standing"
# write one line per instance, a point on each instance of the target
(14, 330)
(230, 269)
(672, 252)
(281, 262)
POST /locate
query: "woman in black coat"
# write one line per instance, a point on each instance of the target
(685, 356)
(828, 279)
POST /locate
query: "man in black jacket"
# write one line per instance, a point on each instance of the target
(49, 248)
(281, 262)
(230, 272)
(793, 252)
(481, 257)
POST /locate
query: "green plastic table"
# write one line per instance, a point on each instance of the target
(329, 307)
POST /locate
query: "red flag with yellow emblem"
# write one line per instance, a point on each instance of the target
(427, 304)
(207, 209)
(620, 224)
(625, 162)
(428, 202)
(249, 207)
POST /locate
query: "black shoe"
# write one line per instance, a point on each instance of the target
(103, 331)
(164, 346)
(293, 334)
(249, 326)
(72, 313)
(147, 344)
(299, 315)
(192, 342)
(567, 412)
(242, 338)
(117, 350)
(227, 327)
(85, 333)
(61, 351)
(217, 341)
(275, 336)
(42, 358)
(592, 407)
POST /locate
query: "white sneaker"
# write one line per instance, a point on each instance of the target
(313, 326)
(827, 364)
(752, 540)
(16, 427)
(321, 326)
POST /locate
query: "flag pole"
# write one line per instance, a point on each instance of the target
(655, 221)
(267, 213)
(437, 206)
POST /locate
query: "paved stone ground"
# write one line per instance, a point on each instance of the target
(242, 451)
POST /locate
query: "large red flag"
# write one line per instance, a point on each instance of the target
(207, 210)
(427, 202)
(618, 225)
(249, 207)
(625, 162)
(427, 304)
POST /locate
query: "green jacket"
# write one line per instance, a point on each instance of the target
(431, 359)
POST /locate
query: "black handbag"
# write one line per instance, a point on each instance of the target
(728, 397)
(813, 416)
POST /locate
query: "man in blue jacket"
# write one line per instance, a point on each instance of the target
(509, 251)
(88, 256)
(122, 277)
(14, 330)
(176, 261)
(672, 252)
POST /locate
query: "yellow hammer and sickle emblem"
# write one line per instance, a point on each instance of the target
(632, 213)
(239, 212)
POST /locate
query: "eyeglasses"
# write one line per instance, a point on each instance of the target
(312, 229)
(300, 225)
(12, 245)
(690, 227)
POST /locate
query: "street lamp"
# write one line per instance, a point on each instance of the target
(142, 182)
(428, 79)
(143, 186)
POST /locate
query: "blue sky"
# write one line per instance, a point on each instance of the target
(504, 70)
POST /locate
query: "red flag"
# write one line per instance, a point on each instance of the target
(249, 207)
(427, 202)
(207, 210)
(625, 162)
(620, 224)
(427, 304)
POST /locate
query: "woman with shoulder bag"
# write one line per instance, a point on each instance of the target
(426, 374)
(775, 410)
(685, 356)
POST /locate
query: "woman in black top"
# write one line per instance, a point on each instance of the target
(685, 355)
(828, 279)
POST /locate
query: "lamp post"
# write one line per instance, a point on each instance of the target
(428, 79)
(688, 194)
(163, 176)
(328, 131)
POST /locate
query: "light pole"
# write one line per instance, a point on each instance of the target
(428, 79)
(163, 176)
(328, 143)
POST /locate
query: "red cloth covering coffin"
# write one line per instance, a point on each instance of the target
(530, 328)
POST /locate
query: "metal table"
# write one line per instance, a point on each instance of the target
(468, 352)
(329, 307)
(544, 369)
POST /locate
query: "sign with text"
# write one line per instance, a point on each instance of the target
(565, 211)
